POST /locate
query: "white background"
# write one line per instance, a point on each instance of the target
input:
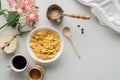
(99, 48)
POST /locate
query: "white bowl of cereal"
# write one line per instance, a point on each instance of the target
(45, 44)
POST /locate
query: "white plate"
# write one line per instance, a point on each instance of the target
(107, 12)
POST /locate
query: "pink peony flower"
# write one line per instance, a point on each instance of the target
(20, 11)
(25, 8)
(12, 3)
(12, 9)
(23, 4)
(32, 18)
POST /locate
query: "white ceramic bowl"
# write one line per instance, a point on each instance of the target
(31, 52)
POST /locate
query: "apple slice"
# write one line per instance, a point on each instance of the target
(8, 43)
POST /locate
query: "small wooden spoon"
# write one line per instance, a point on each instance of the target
(68, 34)
(78, 16)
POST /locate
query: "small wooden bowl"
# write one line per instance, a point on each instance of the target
(52, 8)
(36, 72)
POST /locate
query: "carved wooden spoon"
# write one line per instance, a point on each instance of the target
(68, 34)
(78, 16)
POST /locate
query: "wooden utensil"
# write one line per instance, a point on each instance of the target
(77, 16)
(68, 34)
(55, 14)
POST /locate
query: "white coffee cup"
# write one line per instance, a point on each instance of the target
(18, 63)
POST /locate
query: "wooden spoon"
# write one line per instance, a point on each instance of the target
(86, 17)
(68, 34)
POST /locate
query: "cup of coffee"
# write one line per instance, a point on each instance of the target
(36, 73)
(18, 63)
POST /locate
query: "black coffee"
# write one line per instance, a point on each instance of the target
(19, 62)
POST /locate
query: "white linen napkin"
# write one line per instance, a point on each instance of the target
(107, 12)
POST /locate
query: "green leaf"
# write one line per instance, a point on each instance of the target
(0, 5)
(3, 11)
(13, 19)
(12, 15)
(14, 22)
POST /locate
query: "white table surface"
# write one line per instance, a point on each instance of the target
(99, 48)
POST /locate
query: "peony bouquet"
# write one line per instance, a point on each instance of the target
(22, 13)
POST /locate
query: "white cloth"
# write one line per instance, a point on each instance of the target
(107, 12)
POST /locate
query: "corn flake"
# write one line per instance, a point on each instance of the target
(45, 44)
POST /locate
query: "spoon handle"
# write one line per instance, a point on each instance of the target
(76, 50)
(77, 16)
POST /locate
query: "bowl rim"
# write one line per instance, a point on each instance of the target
(41, 28)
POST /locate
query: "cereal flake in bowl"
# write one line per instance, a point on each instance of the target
(45, 44)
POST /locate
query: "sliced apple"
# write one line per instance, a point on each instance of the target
(8, 43)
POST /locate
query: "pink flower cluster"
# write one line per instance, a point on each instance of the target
(25, 8)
